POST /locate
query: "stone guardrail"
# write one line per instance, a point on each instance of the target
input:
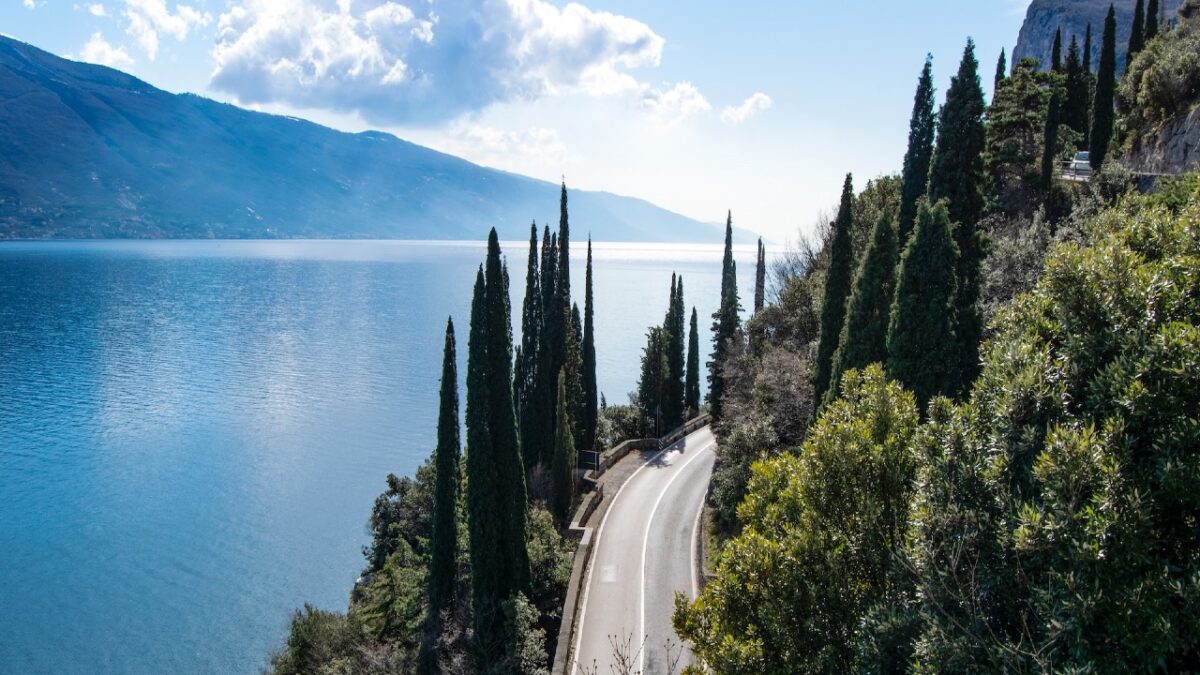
(585, 535)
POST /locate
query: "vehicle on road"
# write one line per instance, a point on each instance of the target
(1079, 167)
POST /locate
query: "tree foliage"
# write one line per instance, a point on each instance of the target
(915, 176)
(837, 290)
(1103, 97)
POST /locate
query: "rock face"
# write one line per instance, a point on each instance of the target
(87, 151)
(1073, 16)
(1176, 149)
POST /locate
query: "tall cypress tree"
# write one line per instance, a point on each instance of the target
(1153, 17)
(1001, 73)
(837, 289)
(496, 497)
(1050, 144)
(1075, 102)
(921, 343)
(691, 386)
(1137, 35)
(443, 559)
(864, 337)
(1056, 52)
(915, 177)
(590, 387)
(525, 375)
(725, 323)
(1102, 102)
(562, 469)
(760, 278)
(957, 176)
(676, 357)
(1087, 50)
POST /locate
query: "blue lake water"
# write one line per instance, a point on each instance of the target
(192, 433)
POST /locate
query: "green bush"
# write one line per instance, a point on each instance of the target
(1162, 83)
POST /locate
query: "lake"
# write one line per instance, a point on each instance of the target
(192, 433)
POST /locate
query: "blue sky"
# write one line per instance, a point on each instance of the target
(760, 107)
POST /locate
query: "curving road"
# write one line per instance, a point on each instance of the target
(644, 552)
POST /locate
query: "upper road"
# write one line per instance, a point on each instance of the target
(645, 551)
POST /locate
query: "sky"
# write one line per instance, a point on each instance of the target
(759, 107)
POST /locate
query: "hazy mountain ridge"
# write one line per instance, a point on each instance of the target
(1044, 17)
(88, 151)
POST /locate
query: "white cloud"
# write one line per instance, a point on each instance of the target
(97, 50)
(147, 19)
(29, 4)
(426, 62)
(757, 103)
(492, 146)
(97, 9)
(674, 105)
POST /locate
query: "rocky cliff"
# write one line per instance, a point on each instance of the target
(1174, 150)
(1073, 16)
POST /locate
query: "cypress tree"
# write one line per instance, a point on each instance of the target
(1102, 103)
(691, 385)
(1153, 16)
(573, 367)
(496, 498)
(562, 468)
(590, 387)
(760, 278)
(525, 376)
(915, 177)
(1001, 73)
(1075, 102)
(837, 289)
(957, 176)
(864, 337)
(1056, 52)
(676, 357)
(725, 323)
(443, 559)
(920, 335)
(652, 385)
(1087, 50)
(1050, 144)
(1137, 35)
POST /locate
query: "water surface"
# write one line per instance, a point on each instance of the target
(192, 433)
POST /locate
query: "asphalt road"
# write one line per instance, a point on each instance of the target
(645, 552)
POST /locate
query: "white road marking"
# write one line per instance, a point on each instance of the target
(608, 574)
(646, 545)
(587, 586)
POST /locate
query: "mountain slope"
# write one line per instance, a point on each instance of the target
(87, 151)
(1073, 16)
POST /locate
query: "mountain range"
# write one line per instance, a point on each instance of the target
(90, 152)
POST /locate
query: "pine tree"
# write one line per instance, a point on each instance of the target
(760, 278)
(1056, 52)
(915, 177)
(525, 376)
(725, 323)
(691, 385)
(1102, 103)
(590, 387)
(496, 497)
(957, 176)
(1075, 102)
(837, 289)
(1087, 50)
(1137, 35)
(563, 467)
(1001, 71)
(443, 559)
(864, 337)
(1153, 17)
(921, 341)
